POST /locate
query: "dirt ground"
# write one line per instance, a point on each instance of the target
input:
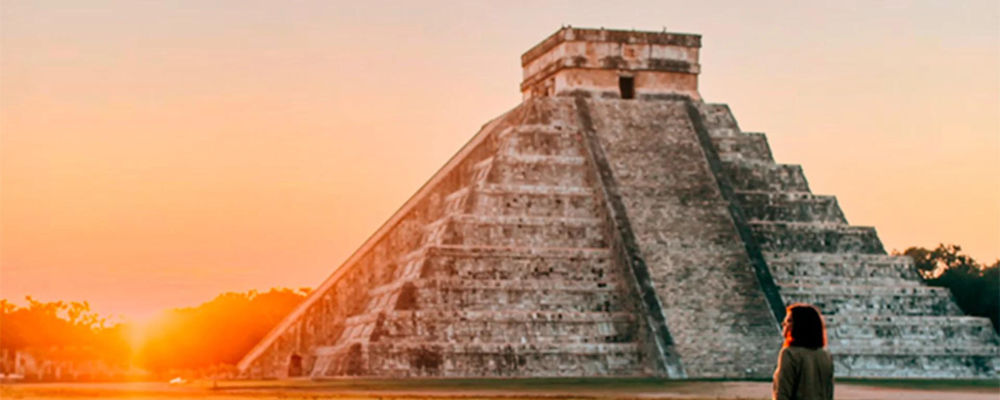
(498, 389)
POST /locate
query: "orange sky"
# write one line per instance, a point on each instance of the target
(155, 154)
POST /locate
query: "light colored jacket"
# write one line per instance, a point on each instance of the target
(803, 374)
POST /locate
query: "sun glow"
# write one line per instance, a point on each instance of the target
(195, 341)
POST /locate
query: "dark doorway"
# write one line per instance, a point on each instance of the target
(626, 84)
(294, 365)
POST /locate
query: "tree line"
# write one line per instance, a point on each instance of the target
(975, 286)
(215, 334)
(208, 339)
(65, 331)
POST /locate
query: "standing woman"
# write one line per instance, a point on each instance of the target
(805, 368)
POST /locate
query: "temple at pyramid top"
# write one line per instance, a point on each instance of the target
(612, 64)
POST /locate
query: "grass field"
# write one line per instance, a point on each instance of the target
(509, 389)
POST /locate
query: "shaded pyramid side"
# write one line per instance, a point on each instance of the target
(882, 320)
(720, 320)
(502, 265)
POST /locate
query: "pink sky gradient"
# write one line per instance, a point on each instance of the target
(155, 154)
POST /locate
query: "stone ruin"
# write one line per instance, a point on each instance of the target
(614, 224)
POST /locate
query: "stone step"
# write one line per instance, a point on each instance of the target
(507, 327)
(479, 171)
(556, 190)
(927, 329)
(522, 348)
(537, 200)
(492, 326)
(855, 289)
(540, 170)
(445, 359)
(873, 300)
(524, 231)
(355, 331)
(546, 141)
(536, 360)
(496, 262)
(790, 207)
(787, 266)
(816, 238)
(508, 285)
(748, 175)
(915, 366)
(908, 321)
(834, 280)
(719, 120)
(917, 349)
(522, 295)
(743, 146)
(502, 316)
(911, 346)
(537, 129)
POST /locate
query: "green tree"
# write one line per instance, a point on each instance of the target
(976, 287)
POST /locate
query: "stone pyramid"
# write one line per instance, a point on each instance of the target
(614, 224)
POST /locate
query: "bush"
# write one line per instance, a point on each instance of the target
(976, 287)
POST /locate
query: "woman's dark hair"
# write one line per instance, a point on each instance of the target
(807, 329)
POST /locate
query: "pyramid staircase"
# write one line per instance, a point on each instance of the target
(613, 224)
(882, 320)
(536, 250)
(514, 276)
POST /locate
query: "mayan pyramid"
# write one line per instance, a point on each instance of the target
(614, 224)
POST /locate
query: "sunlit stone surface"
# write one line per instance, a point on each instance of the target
(613, 224)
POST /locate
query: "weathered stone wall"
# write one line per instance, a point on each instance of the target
(591, 60)
(717, 315)
(604, 83)
(320, 321)
(510, 273)
(508, 263)
(581, 234)
(882, 321)
(529, 199)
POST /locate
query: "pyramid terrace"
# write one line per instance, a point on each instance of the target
(615, 224)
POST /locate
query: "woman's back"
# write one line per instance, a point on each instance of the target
(804, 374)
(805, 368)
